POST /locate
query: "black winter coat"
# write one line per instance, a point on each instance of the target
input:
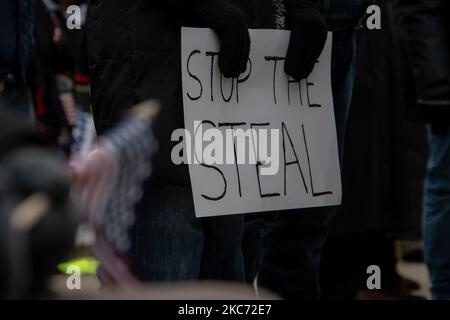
(135, 55)
(385, 153)
(134, 48)
(426, 27)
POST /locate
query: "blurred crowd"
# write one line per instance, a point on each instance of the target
(77, 133)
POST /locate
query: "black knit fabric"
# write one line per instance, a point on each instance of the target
(229, 24)
(308, 37)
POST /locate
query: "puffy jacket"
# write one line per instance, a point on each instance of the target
(134, 48)
(425, 25)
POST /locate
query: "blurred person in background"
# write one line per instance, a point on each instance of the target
(59, 71)
(16, 43)
(38, 218)
(134, 55)
(383, 174)
(426, 27)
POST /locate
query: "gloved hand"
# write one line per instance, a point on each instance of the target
(308, 37)
(229, 24)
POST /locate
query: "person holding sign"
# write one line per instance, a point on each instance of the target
(287, 259)
(134, 48)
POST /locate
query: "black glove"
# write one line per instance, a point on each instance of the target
(308, 37)
(229, 24)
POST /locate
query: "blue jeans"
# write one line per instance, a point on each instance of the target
(170, 244)
(284, 253)
(436, 215)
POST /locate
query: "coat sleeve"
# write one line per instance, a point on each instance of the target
(425, 29)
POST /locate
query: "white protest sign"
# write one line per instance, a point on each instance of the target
(293, 120)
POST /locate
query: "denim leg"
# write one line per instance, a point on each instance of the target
(291, 253)
(292, 245)
(167, 239)
(222, 252)
(170, 244)
(251, 248)
(436, 215)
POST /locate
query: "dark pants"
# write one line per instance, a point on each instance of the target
(436, 215)
(283, 249)
(170, 244)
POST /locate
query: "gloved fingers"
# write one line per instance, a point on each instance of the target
(225, 60)
(294, 56)
(302, 55)
(238, 56)
(308, 62)
(300, 66)
(246, 50)
(234, 52)
(243, 51)
(319, 44)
